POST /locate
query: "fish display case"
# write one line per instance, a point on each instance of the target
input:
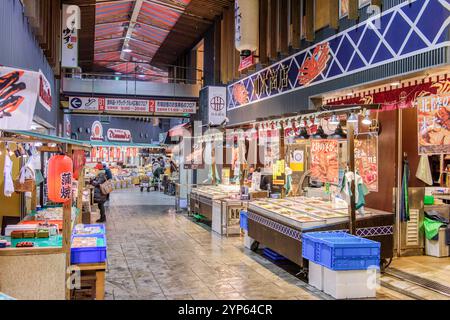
(279, 224)
(219, 204)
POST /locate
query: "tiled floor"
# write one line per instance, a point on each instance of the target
(154, 253)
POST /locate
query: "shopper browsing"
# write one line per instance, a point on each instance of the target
(99, 197)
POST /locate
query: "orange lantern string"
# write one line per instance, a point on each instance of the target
(59, 181)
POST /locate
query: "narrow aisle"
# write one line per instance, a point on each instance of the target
(154, 253)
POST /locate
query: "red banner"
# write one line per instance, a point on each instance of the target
(400, 98)
(79, 160)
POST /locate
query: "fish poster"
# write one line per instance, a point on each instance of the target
(433, 119)
(366, 160)
(324, 161)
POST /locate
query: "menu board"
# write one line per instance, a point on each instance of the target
(433, 118)
(324, 161)
(366, 160)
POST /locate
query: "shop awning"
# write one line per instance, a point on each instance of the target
(31, 136)
(124, 144)
(179, 130)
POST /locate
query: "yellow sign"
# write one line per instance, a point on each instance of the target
(226, 176)
(297, 160)
(278, 172)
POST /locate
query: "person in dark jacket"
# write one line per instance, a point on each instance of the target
(107, 171)
(99, 197)
(109, 175)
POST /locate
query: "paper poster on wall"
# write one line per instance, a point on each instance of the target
(297, 160)
(433, 118)
(324, 161)
(19, 91)
(366, 160)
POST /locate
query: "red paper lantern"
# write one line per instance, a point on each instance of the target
(59, 179)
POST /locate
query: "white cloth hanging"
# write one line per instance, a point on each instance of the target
(7, 175)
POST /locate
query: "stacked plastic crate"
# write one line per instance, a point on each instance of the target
(342, 265)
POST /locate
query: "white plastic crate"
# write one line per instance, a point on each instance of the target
(352, 284)
(437, 248)
(315, 275)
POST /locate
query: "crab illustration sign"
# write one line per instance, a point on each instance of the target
(403, 31)
(19, 90)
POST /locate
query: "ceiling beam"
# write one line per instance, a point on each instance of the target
(134, 18)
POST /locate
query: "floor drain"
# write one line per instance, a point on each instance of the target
(422, 282)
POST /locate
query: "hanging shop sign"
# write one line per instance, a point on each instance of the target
(400, 98)
(45, 92)
(69, 38)
(246, 30)
(246, 62)
(194, 160)
(217, 106)
(324, 161)
(366, 160)
(433, 118)
(159, 106)
(19, 91)
(97, 131)
(119, 135)
(405, 30)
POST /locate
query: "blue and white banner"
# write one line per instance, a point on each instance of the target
(408, 29)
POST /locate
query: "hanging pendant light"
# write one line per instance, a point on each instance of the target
(334, 120)
(367, 121)
(301, 122)
(303, 133)
(353, 118)
(316, 121)
(338, 133)
(320, 134)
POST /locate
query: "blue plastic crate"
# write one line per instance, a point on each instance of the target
(273, 255)
(89, 255)
(340, 251)
(244, 220)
